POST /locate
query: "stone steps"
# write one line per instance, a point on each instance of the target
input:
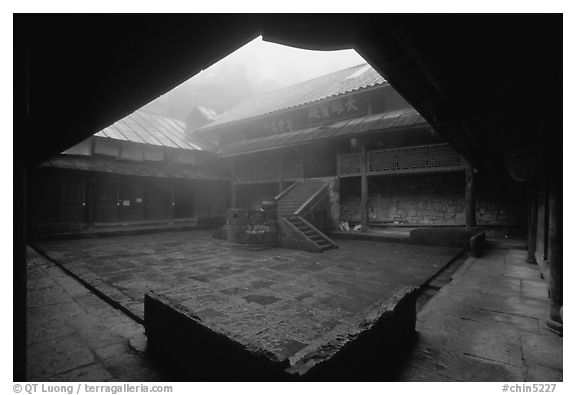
(297, 196)
(322, 241)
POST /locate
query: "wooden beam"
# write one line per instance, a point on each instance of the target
(470, 197)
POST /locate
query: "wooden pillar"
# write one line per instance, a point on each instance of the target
(19, 269)
(19, 210)
(58, 186)
(118, 202)
(281, 177)
(234, 196)
(233, 187)
(171, 203)
(90, 203)
(363, 187)
(555, 255)
(334, 203)
(532, 223)
(470, 197)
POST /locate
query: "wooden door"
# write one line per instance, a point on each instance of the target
(184, 200)
(157, 199)
(72, 202)
(106, 201)
(131, 202)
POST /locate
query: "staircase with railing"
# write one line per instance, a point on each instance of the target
(293, 204)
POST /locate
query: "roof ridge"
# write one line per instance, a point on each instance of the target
(316, 78)
(152, 113)
(300, 94)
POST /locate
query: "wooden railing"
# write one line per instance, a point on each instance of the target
(313, 201)
(418, 159)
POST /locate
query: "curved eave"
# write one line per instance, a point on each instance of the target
(213, 127)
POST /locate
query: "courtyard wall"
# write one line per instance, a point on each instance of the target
(435, 199)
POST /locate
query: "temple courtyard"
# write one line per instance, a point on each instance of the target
(86, 304)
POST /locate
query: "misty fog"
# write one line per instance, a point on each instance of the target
(256, 68)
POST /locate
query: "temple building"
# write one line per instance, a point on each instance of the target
(391, 167)
(143, 170)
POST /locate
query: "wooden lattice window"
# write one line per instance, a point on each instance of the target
(382, 160)
(422, 157)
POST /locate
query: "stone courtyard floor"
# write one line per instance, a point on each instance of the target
(485, 325)
(278, 299)
(73, 335)
(488, 324)
(219, 279)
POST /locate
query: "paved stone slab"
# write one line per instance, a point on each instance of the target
(535, 289)
(483, 327)
(74, 336)
(544, 350)
(432, 362)
(92, 372)
(347, 279)
(540, 374)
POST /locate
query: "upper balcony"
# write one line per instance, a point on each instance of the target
(418, 159)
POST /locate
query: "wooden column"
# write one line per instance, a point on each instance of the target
(233, 187)
(58, 186)
(90, 203)
(470, 197)
(281, 177)
(171, 201)
(334, 203)
(555, 255)
(532, 223)
(363, 187)
(19, 296)
(118, 202)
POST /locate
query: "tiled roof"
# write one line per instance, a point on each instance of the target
(327, 86)
(148, 128)
(110, 165)
(388, 121)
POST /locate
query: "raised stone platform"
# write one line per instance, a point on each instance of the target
(210, 347)
(473, 240)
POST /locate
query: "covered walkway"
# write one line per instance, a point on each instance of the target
(488, 324)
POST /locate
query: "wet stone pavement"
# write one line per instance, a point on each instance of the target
(485, 323)
(73, 335)
(285, 299)
(488, 324)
